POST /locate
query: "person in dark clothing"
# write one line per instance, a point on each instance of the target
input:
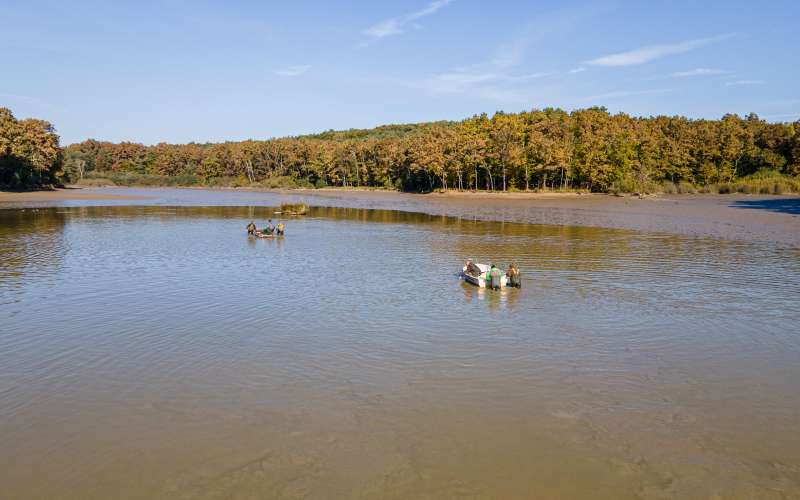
(513, 276)
(471, 268)
(251, 228)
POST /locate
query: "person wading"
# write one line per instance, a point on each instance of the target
(493, 277)
(513, 276)
(251, 228)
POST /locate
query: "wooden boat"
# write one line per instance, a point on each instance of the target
(480, 281)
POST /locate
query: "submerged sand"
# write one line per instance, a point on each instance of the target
(760, 218)
(63, 195)
(735, 217)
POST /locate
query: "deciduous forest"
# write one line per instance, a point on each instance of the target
(30, 155)
(549, 149)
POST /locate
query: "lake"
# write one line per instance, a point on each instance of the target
(154, 351)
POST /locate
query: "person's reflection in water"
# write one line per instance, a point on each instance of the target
(495, 299)
(471, 292)
(512, 297)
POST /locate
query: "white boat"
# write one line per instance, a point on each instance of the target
(480, 281)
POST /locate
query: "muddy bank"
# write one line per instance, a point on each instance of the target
(62, 195)
(769, 219)
(736, 217)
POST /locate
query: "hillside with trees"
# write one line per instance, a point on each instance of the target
(550, 149)
(30, 155)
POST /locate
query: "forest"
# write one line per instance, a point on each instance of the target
(550, 149)
(30, 155)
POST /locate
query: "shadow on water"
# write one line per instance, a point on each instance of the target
(782, 205)
(31, 242)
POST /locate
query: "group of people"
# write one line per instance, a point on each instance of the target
(270, 230)
(494, 275)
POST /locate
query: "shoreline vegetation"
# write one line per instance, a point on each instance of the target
(762, 182)
(540, 151)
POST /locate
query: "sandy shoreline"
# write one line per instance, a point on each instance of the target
(761, 218)
(62, 195)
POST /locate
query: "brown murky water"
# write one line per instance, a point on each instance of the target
(156, 352)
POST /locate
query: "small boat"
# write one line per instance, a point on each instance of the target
(480, 281)
(262, 235)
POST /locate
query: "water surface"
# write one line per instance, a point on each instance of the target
(157, 352)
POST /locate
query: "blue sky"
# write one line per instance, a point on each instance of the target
(180, 71)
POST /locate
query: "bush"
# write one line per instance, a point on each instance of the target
(134, 179)
(294, 208)
(629, 184)
(95, 182)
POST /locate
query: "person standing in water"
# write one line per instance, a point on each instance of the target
(493, 277)
(270, 228)
(280, 228)
(251, 228)
(513, 276)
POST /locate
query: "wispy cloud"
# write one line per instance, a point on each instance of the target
(461, 81)
(650, 53)
(397, 25)
(577, 70)
(745, 82)
(545, 29)
(699, 72)
(22, 98)
(294, 70)
(795, 115)
(626, 93)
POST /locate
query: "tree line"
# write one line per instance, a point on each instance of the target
(589, 149)
(30, 155)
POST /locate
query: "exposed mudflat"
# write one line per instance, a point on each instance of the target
(760, 218)
(7, 197)
(736, 217)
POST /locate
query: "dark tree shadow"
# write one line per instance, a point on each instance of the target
(780, 205)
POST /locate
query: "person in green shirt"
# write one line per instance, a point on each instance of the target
(493, 277)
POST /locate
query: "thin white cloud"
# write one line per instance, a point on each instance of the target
(650, 53)
(795, 115)
(626, 93)
(699, 72)
(577, 70)
(544, 29)
(464, 81)
(22, 99)
(294, 70)
(745, 82)
(397, 25)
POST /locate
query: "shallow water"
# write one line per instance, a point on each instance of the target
(157, 352)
